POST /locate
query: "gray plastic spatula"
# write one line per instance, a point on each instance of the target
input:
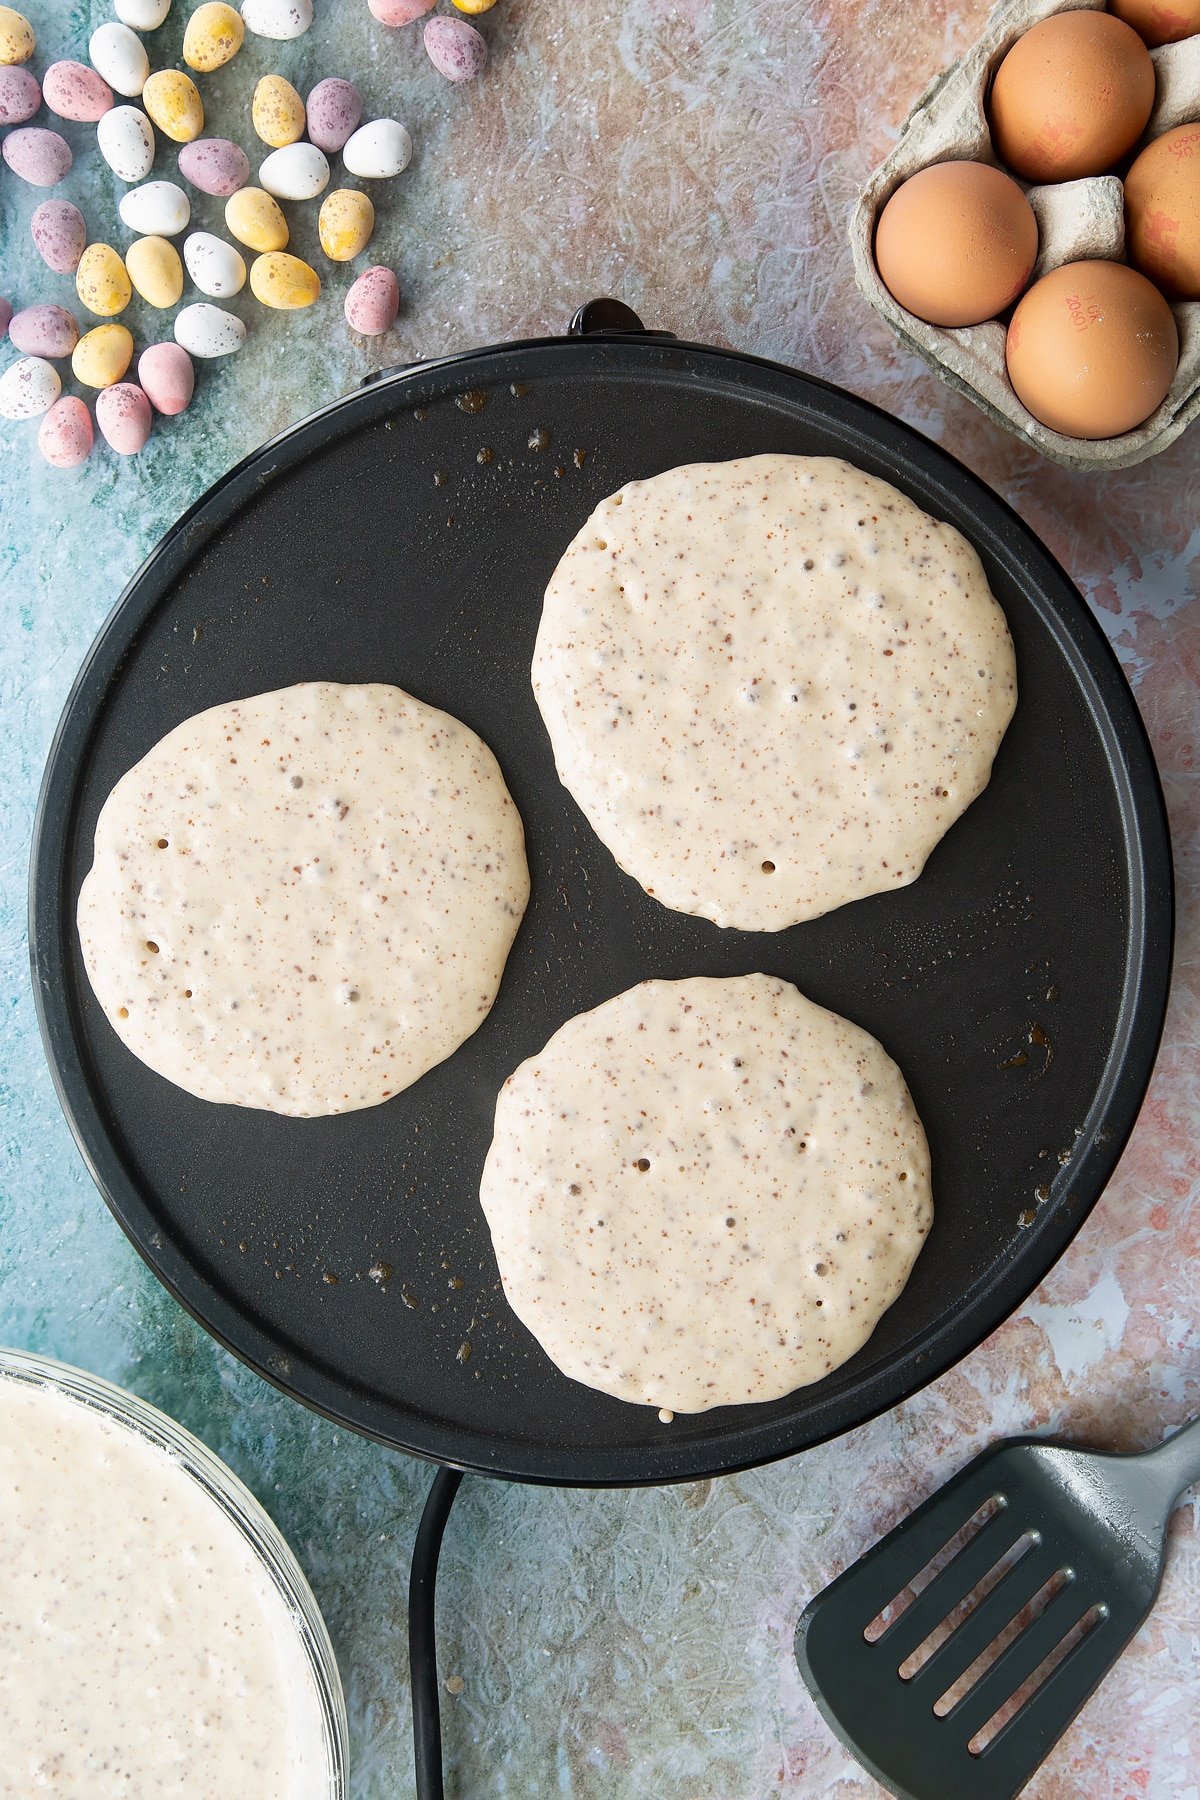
(952, 1656)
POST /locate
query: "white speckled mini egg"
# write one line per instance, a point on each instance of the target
(278, 19)
(215, 267)
(297, 172)
(156, 209)
(208, 331)
(126, 139)
(378, 150)
(120, 56)
(142, 15)
(29, 388)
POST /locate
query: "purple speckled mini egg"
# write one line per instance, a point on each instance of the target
(333, 111)
(166, 373)
(74, 91)
(65, 437)
(123, 415)
(215, 166)
(373, 302)
(20, 96)
(38, 156)
(44, 331)
(455, 49)
(60, 234)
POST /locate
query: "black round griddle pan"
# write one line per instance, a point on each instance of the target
(405, 534)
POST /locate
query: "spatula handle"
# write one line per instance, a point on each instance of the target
(1178, 1459)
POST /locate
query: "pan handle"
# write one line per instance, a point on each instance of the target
(610, 318)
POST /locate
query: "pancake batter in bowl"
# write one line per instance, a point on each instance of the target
(146, 1648)
(706, 1192)
(771, 684)
(304, 900)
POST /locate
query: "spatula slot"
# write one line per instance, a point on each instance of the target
(899, 1603)
(962, 1610)
(1004, 1715)
(1021, 1621)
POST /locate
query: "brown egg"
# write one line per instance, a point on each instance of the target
(956, 242)
(1092, 349)
(1159, 21)
(1071, 97)
(1162, 212)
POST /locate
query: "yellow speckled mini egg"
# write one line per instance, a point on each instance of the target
(215, 33)
(102, 356)
(277, 112)
(173, 101)
(346, 223)
(102, 281)
(155, 271)
(17, 42)
(256, 219)
(473, 7)
(283, 281)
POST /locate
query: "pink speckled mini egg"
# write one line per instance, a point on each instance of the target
(123, 415)
(38, 156)
(400, 12)
(333, 110)
(455, 49)
(373, 302)
(65, 437)
(168, 378)
(74, 91)
(44, 331)
(60, 234)
(20, 96)
(215, 166)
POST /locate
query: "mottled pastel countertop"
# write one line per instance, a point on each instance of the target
(697, 157)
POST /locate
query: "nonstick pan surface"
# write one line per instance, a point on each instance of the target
(405, 534)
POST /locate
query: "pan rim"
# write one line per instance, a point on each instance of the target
(739, 1443)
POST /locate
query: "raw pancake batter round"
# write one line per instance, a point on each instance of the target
(706, 1192)
(771, 684)
(303, 900)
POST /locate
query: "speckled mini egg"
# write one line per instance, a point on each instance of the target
(59, 235)
(278, 19)
(378, 150)
(373, 302)
(299, 172)
(474, 7)
(255, 219)
(346, 223)
(126, 139)
(333, 112)
(44, 331)
(208, 331)
(156, 209)
(400, 12)
(1071, 97)
(215, 166)
(214, 35)
(74, 91)
(38, 156)
(167, 377)
(283, 281)
(124, 417)
(173, 101)
(215, 267)
(1162, 212)
(28, 388)
(142, 15)
(17, 42)
(102, 356)
(277, 112)
(20, 95)
(455, 49)
(155, 271)
(65, 435)
(120, 56)
(102, 281)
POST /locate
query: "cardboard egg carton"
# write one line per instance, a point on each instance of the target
(1076, 220)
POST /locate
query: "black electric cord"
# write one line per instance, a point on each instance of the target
(422, 1635)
